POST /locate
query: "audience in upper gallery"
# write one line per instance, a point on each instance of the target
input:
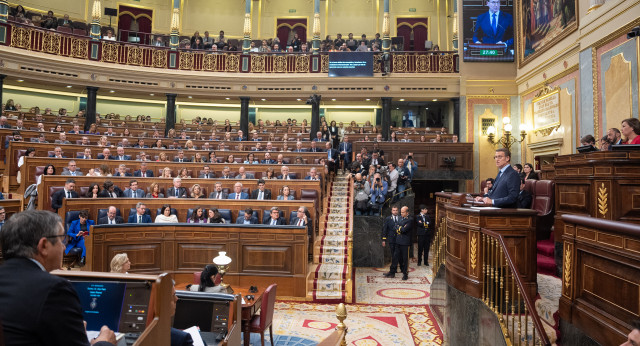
(120, 263)
(109, 36)
(630, 129)
(588, 140)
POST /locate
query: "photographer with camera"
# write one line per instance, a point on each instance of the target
(411, 165)
(404, 178)
(378, 195)
(361, 200)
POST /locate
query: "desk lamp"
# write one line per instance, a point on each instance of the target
(222, 262)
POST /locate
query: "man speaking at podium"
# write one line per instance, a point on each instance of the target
(505, 190)
(494, 27)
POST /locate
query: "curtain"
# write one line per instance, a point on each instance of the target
(126, 16)
(288, 27)
(419, 27)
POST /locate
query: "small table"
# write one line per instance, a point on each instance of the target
(249, 307)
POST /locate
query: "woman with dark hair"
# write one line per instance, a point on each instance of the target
(393, 137)
(94, 190)
(30, 152)
(198, 216)
(48, 170)
(326, 135)
(518, 168)
(165, 215)
(333, 133)
(227, 125)
(230, 159)
(77, 230)
(630, 129)
(207, 281)
(9, 106)
(158, 144)
(270, 174)
(212, 157)
(213, 216)
(528, 172)
(58, 128)
(251, 160)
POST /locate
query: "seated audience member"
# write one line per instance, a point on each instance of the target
(62, 139)
(120, 154)
(196, 191)
(214, 216)
(110, 190)
(154, 191)
(524, 197)
(177, 191)
(454, 139)
(518, 168)
(120, 263)
(112, 217)
(94, 191)
(237, 192)
(206, 173)
(86, 155)
(243, 175)
(143, 172)
(67, 192)
(261, 193)
(37, 307)
(275, 219)
(180, 157)
(198, 216)
(604, 143)
(302, 218)
(251, 160)
(122, 171)
(218, 193)
(615, 136)
(166, 173)
(529, 173)
(313, 174)
(207, 281)
(284, 170)
(71, 169)
(270, 174)
(133, 191)
(268, 159)
(77, 230)
(226, 173)
(105, 155)
(165, 215)
(109, 36)
(285, 194)
(630, 129)
(183, 173)
(140, 216)
(488, 185)
(57, 153)
(247, 218)
(588, 140)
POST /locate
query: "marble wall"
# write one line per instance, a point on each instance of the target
(367, 242)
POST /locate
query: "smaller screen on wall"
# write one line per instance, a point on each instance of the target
(488, 30)
(350, 64)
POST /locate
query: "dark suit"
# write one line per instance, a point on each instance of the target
(279, 221)
(294, 222)
(125, 174)
(403, 241)
(83, 157)
(58, 196)
(175, 159)
(505, 189)
(485, 32)
(315, 150)
(105, 193)
(211, 175)
(117, 157)
(137, 173)
(424, 237)
(243, 195)
(346, 158)
(270, 161)
(133, 218)
(303, 150)
(138, 193)
(105, 220)
(281, 177)
(181, 193)
(332, 154)
(223, 195)
(39, 308)
(52, 155)
(252, 221)
(389, 236)
(180, 338)
(524, 200)
(267, 194)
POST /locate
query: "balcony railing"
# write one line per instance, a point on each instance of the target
(123, 53)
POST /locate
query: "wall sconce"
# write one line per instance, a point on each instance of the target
(506, 140)
(222, 261)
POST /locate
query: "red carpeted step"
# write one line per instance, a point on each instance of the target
(546, 265)
(546, 247)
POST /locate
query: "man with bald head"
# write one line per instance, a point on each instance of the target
(403, 241)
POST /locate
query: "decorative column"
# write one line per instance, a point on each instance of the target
(594, 4)
(174, 40)
(386, 117)
(314, 101)
(455, 25)
(246, 43)
(170, 120)
(90, 114)
(4, 11)
(316, 27)
(386, 38)
(96, 15)
(2, 77)
(456, 116)
(244, 115)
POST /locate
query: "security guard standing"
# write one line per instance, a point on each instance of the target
(389, 235)
(403, 241)
(424, 235)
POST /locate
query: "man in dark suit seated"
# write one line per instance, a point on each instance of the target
(313, 174)
(122, 171)
(218, 193)
(524, 197)
(285, 175)
(261, 192)
(299, 148)
(177, 191)
(302, 218)
(314, 148)
(494, 26)
(206, 173)
(112, 217)
(180, 157)
(318, 137)
(505, 190)
(57, 153)
(133, 191)
(67, 192)
(240, 137)
(39, 308)
(140, 216)
(143, 172)
(62, 139)
(247, 218)
(275, 219)
(237, 192)
(109, 190)
(120, 155)
(86, 155)
(268, 159)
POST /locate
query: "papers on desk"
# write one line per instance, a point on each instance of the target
(92, 334)
(485, 208)
(243, 301)
(195, 335)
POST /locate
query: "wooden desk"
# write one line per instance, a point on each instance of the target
(249, 308)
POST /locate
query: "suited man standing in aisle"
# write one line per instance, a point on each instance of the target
(389, 236)
(506, 187)
(345, 149)
(403, 241)
(424, 235)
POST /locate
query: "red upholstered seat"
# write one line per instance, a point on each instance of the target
(65, 29)
(306, 194)
(52, 190)
(543, 201)
(80, 32)
(259, 323)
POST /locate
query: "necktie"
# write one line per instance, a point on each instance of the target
(177, 193)
(261, 195)
(144, 175)
(300, 222)
(273, 222)
(494, 23)
(329, 154)
(121, 158)
(110, 222)
(68, 194)
(219, 195)
(497, 178)
(139, 219)
(237, 195)
(180, 160)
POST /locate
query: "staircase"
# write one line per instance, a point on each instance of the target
(545, 258)
(329, 280)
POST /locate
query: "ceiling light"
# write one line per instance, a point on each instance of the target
(397, 107)
(333, 99)
(20, 80)
(299, 99)
(368, 100)
(190, 96)
(112, 91)
(152, 94)
(434, 100)
(427, 108)
(264, 99)
(69, 86)
(226, 98)
(401, 100)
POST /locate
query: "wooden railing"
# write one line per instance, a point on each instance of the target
(82, 47)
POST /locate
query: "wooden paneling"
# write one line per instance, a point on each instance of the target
(11, 206)
(259, 254)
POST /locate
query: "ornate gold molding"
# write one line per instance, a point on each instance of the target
(603, 199)
(594, 79)
(473, 259)
(247, 25)
(567, 266)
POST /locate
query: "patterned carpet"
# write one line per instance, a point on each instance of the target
(386, 312)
